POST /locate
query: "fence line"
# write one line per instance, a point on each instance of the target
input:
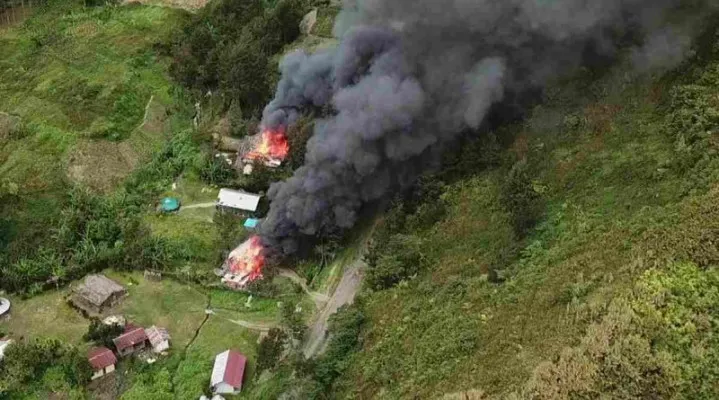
(16, 11)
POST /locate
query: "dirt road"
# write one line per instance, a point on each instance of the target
(320, 299)
(255, 326)
(344, 294)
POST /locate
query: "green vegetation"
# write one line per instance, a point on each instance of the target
(30, 318)
(73, 77)
(38, 368)
(655, 343)
(101, 334)
(270, 350)
(571, 255)
(526, 259)
(92, 134)
(229, 46)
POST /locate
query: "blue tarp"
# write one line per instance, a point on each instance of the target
(251, 223)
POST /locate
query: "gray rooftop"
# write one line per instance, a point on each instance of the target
(98, 288)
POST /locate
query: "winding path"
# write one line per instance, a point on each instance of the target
(319, 299)
(344, 294)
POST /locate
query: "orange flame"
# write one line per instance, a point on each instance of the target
(273, 145)
(248, 259)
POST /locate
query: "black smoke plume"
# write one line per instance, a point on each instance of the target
(408, 76)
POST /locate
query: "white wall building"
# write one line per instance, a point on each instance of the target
(238, 200)
(228, 373)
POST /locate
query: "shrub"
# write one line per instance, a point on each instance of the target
(657, 342)
(215, 171)
(26, 363)
(344, 329)
(102, 334)
(293, 321)
(400, 259)
(270, 350)
(521, 201)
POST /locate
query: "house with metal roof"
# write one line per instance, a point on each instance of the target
(96, 294)
(238, 200)
(131, 341)
(159, 339)
(102, 360)
(228, 373)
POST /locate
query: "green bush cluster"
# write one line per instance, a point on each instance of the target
(657, 343)
(395, 250)
(521, 200)
(319, 375)
(270, 350)
(94, 232)
(42, 366)
(216, 171)
(693, 122)
(102, 334)
(228, 46)
(400, 259)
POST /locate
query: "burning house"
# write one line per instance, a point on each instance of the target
(244, 264)
(270, 148)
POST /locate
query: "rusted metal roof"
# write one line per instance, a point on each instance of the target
(101, 357)
(133, 335)
(156, 335)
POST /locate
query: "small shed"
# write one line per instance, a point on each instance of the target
(96, 294)
(102, 360)
(4, 343)
(238, 200)
(170, 204)
(228, 373)
(132, 341)
(159, 339)
(4, 308)
(251, 223)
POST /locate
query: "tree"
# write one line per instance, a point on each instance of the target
(25, 364)
(293, 321)
(270, 350)
(400, 258)
(520, 199)
(102, 334)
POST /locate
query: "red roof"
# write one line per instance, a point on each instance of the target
(132, 336)
(234, 369)
(101, 357)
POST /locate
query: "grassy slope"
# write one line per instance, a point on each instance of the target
(614, 198)
(74, 74)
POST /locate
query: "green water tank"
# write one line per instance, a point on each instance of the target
(170, 204)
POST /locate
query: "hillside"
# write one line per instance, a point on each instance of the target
(610, 292)
(88, 102)
(568, 252)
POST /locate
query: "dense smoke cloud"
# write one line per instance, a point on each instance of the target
(409, 76)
